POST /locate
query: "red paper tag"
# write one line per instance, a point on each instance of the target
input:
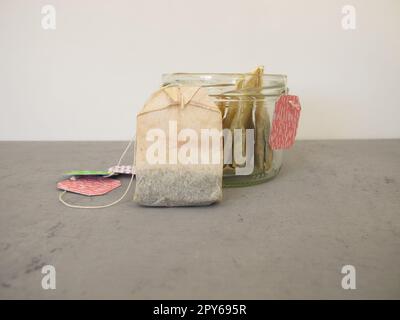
(285, 122)
(89, 186)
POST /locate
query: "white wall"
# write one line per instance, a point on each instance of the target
(87, 79)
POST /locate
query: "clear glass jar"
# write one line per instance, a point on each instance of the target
(248, 103)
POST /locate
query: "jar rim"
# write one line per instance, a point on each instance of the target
(274, 84)
(232, 74)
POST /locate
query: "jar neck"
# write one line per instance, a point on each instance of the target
(224, 85)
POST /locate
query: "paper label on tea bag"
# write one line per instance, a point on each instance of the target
(285, 122)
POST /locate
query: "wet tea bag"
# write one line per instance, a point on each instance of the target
(179, 156)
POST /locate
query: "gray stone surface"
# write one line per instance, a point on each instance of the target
(334, 203)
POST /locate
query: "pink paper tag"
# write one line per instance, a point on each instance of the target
(89, 186)
(285, 122)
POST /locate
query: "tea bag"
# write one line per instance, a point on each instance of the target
(179, 149)
(247, 111)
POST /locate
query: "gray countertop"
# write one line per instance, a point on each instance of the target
(334, 203)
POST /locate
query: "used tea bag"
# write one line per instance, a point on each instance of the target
(179, 157)
(248, 112)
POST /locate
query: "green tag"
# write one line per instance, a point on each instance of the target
(87, 173)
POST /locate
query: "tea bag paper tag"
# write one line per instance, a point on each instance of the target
(122, 170)
(86, 173)
(285, 122)
(89, 186)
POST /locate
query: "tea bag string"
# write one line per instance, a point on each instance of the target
(60, 197)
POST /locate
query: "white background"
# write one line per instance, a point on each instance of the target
(87, 79)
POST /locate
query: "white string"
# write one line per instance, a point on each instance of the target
(125, 151)
(112, 203)
(122, 156)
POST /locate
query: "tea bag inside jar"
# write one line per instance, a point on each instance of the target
(179, 156)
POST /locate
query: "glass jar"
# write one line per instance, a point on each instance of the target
(247, 103)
